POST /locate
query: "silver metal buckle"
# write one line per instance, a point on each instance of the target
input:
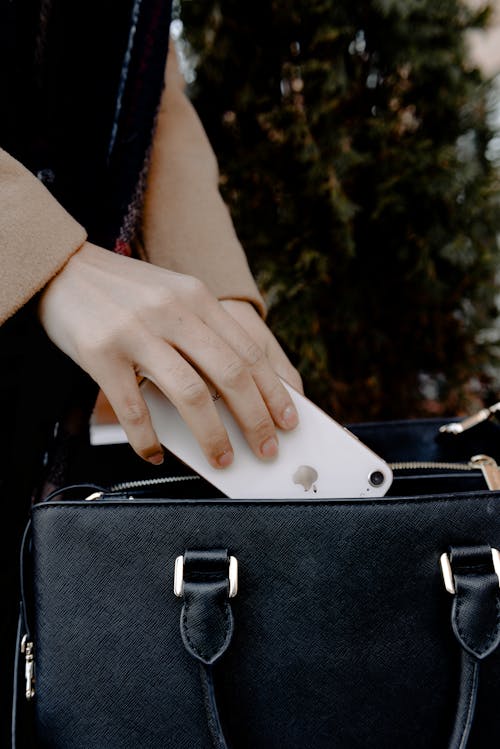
(457, 427)
(448, 574)
(179, 577)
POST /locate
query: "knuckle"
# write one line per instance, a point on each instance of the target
(195, 394)
(276, 393)
(109, 339)
(253, 354)
(134, 413)
(95, 347)
(263, 428)
(234, 375)
(196, 289)
(158, 301)
(217, 444)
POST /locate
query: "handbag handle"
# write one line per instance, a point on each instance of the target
(471, 576)
(475, 621)
(206, 580)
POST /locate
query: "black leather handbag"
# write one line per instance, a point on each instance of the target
(315, 624)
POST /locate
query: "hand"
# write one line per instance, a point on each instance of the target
(116, 317)
(250, 320)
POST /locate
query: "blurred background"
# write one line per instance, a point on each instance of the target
(359, 146)
(359, 151)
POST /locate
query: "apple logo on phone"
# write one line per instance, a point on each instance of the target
(306, 476)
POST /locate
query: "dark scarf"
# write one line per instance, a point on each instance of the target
(81, 84)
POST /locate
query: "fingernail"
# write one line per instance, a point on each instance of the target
(225, 459)
(156, 459)
(290, 417)
(269, 448)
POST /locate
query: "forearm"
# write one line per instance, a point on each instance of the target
(187, 226)
(37, 236)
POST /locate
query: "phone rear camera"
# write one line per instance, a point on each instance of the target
(376, 478)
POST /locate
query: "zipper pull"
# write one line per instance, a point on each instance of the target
(95, 495)
(457, 427)
(490, 469)
(29, 666)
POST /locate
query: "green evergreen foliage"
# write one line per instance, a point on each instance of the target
(352, 141)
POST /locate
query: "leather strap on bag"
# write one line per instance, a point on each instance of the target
(206, 581)
(475, 620)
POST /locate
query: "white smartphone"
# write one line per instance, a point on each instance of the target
(319, 458)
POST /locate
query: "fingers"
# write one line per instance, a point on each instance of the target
(250, 320)
(119, 383)
(233, 380)
(254, 359)
(184, 387)
(282, 365)
(180, 382)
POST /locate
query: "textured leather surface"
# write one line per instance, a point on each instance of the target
(476, 625)
(476, 604)
(475, 620)
(342, 631)
(206, 617)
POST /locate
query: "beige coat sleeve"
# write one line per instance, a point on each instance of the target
(187, 227)
(37, 235)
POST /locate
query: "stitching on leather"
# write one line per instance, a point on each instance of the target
(470, 642)
(225, 612)
(186, 632)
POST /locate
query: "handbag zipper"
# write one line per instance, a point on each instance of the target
(139, 484)
(430, 465)
(150, 482)
(27, 649)
(484, 463)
